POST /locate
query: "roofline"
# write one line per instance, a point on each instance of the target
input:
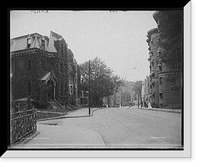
(19, 51)
(27, 36)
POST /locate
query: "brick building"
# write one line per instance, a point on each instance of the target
(164, 93)
(169, 90)
(145, 91)
(153, 60)
(45, 69)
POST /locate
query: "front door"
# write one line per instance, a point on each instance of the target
(51, 91)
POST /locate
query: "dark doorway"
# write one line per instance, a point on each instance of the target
(51, 91)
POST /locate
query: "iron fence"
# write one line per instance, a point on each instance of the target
(22, 124)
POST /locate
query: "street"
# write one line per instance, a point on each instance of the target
(124, 127)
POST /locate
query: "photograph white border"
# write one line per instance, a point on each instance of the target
(137, 153)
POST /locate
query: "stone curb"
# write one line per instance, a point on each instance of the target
(66, 116)
(163, 110)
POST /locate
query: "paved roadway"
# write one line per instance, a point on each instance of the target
(110, 128)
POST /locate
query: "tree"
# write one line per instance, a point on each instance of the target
(103, 82)
(137, 87)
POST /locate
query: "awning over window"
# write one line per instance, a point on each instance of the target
(46, 77)
(49, 76)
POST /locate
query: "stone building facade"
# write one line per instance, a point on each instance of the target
(44, 69)
(169, 90)
(145, 92)
(153, 61)
(163, 92)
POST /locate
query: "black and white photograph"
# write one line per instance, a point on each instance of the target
(94, 80)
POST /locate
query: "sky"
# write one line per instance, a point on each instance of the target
(116, 37)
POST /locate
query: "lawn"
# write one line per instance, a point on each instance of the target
(46, 114)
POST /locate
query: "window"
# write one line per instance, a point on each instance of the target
(153, 74)
(159, 53)
(153, 95)
(158, 39)
(28, 43)
(152, 62)
(70, 90)
(43, 44)
(161, 95)
(160, 67)
(160, 80)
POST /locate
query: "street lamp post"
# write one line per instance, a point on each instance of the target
(89, 90)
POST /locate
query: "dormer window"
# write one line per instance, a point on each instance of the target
(28, 43)
(43, 44)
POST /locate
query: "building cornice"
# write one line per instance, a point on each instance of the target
(30, 51)
(18, 52)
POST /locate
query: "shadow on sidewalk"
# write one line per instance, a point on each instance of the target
(72, 114)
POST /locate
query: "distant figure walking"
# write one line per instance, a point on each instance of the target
(149, 105)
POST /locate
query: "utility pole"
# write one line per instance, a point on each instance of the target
(89, 90)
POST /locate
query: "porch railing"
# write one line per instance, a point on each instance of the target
(60, 103)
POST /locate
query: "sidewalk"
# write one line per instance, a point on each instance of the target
(162, 109)
(82, 112)
(61, 132)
